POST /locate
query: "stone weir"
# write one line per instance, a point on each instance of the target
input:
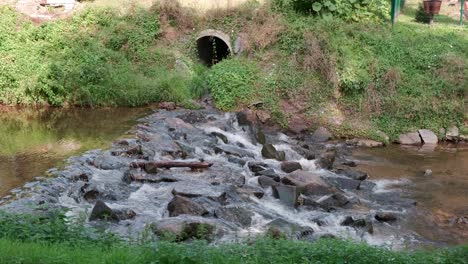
(188, 171)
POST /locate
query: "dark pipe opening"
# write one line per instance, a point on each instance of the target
(212, 50)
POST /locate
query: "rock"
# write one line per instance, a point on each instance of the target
(409, 139)
(266, 182)
(192, 117)
(108, 162)
(385, 217)
(326, 160)
(308, 183)
(428, 172)
(287, 194)
(365, 143)
(233, 150)
(257, 166)
(280, 229)
(452, 133)
(332, 201)
(125, 214)
(290, 166)
(358, 223)
(102, 212)
(235, 214)
(428, 137)
(220, 136)
(245, 118)
(260, 136)
(271, 173)
(180, 205)
(193, 189)
(184, 229)
(237, 160)
(169, 106)
(263, 116)
(353, 174)
(349, 163)
(344, 183)
(321, 135)
(247, 191)
(270, 152)
(91, 195)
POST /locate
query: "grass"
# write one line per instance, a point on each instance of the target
(51, 238)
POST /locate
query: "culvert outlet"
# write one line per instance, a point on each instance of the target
(213, 46)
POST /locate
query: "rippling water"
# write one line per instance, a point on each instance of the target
(442, 197)
(34, 140)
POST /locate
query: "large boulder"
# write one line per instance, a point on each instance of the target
(290, 166)
(409, 139)
(321, 135)
(308, 183)
(180, 205)
(428, 137)
(270, 152)
(102, 212)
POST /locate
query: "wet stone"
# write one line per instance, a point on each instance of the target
(235, 214)
(257, 166)
(326, 160)
(385, 217)
(221, 136)
(180, 205)
(271, 173)
(353, 174)
(233, 150)
(266, 182)
(270, 152)
(290, 166)
(247, 191)
(102, 212)
(287, 194)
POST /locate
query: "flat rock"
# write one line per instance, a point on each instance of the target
(428, 136)
(409, 139)
(321, 135)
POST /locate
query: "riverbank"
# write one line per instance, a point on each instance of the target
(301, 72)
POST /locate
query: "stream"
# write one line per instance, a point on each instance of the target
(259, 181)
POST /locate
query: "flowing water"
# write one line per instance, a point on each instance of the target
(35, 140)
(442, 196)
(430, 210)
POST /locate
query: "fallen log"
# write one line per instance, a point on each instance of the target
(171, 164)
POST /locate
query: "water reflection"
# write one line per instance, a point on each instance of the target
(34, 140)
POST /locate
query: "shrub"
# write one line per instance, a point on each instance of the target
(421, 15)
(233, 82)
(350, 10)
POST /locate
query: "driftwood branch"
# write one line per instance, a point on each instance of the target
(172, 164)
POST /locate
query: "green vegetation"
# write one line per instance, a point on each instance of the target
(334, 63)
(96, 58)
(50, 239)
